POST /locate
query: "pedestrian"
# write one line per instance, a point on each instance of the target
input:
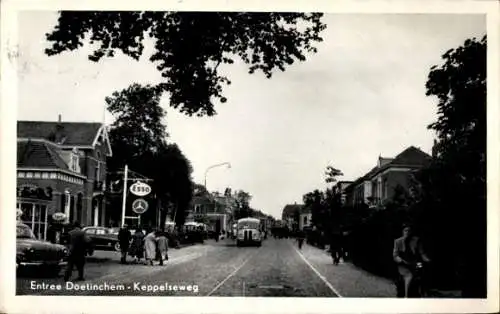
(300, 238)
(162, 241)
(79, 243)
(124, 240)
(335, 247)
(150, 247)
(407, 252)
(137, 245)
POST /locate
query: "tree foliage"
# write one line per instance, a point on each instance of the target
(138, 128)
(314, 201)
(455, 184)
(243, 209)
(331, 174)
(190, 46)
(138, 139)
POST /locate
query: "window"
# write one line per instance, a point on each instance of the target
(97, 171)
(90, 231)
(305, 220)
(35, 217)
(75, 161)
(197, 208)
(100, 231)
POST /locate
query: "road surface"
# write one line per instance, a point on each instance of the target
(277, 268)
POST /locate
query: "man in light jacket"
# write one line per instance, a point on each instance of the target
(407, 252)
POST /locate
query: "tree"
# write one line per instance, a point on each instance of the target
(171, 172)
(138, 128)
(456, 180)
(138, 139)
(243, 208)
(331, 174)
(189, 47)
(314, 201)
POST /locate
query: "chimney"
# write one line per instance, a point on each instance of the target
(59, 129)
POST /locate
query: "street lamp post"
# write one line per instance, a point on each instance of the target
(214, 166)
(206, 172)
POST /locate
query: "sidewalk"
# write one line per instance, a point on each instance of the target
(351, 281)
(346, 278)
(101, 256)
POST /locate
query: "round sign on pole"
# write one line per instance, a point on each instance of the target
(59, 216)
(140, 189)
(139, 206)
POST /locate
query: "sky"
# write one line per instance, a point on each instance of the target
(361, 96)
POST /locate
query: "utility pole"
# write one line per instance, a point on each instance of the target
(124, 197)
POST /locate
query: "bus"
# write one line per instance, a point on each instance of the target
(249, 232)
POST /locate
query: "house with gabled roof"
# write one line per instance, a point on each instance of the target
(291, 215)
(380, 183)
(67, 161)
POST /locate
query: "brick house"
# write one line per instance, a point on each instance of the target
(379, 184)
(67, 160)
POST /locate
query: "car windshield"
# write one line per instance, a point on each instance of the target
(24, 232)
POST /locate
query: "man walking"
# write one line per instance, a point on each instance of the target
(79, 243)
(124, 237)
(162, 246)
(335, 247)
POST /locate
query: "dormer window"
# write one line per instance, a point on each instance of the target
(75, 161)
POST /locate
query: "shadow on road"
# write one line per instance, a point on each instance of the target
(38, 273)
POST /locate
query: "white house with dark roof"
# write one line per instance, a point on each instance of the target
(380, 182)
(61, 168)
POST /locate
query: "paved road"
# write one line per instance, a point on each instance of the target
(276, 268)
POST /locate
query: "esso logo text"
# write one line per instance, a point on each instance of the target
(140, 189)
(59, 216)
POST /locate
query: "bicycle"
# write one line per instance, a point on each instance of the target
(417, 287)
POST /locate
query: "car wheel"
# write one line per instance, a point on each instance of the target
(117, 247)
(238, 243)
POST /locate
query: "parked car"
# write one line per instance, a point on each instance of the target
(103, 238)
(31, 252)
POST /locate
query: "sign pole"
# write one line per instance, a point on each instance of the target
(124, 198)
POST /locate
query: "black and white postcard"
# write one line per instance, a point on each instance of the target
(248, 157)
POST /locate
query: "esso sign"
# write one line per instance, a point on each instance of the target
(140, 189)
(59, 216)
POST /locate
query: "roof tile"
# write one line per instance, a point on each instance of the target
(72, 133)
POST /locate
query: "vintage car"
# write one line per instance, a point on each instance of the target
(36, 253)
(103, 238)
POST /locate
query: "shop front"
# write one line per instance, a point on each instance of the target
(34, 214)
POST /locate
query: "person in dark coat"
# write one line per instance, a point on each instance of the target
(300, 237)
(335, 247)
(79, 243)
(137, 246)
(162, 246)
(124, 237)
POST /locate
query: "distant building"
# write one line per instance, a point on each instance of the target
(379, 183)
(305, 218)
(291, 215)
(65, 161)
(213, 209)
